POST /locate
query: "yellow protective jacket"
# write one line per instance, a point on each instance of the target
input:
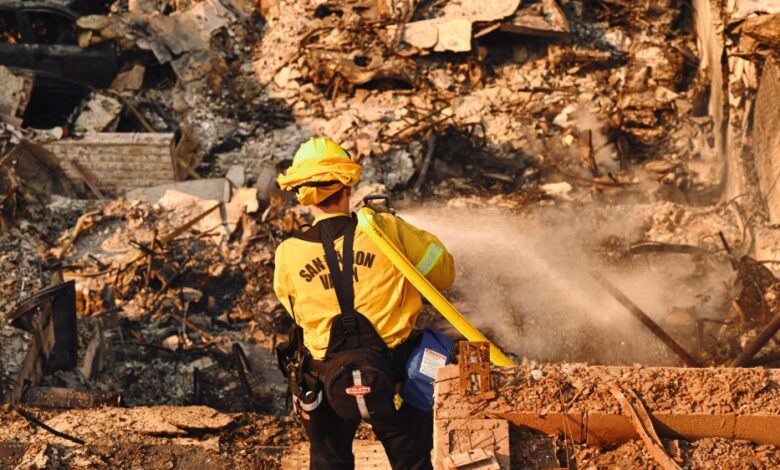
(382, 294)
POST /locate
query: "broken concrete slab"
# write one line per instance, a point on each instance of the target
(130, 80)
(479, 11)
(471, 441)
(219, 223)
(478, 459)
(99, 112)
(14, 95)
(236, 175)
(451, 30)
(119, 161)
(545, 19)
(169, 36)
(215, 189)
(439, 34)
(765, 29)
(113, 424)
(266, 184)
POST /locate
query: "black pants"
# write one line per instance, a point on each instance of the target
(407, 438)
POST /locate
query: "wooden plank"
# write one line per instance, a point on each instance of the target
(643, 425)
(88, 179)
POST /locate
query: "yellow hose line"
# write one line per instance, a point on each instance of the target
(369, 226)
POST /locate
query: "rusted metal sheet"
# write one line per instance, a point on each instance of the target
(119, 161)
(50, 315)
(474, 367)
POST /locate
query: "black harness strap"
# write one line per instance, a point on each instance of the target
(342, 278)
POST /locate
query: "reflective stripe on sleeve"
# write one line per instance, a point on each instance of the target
(431, 257)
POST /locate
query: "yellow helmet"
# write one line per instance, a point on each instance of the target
(320, 168)
(318, 147)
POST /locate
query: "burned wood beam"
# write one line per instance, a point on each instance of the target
(426, 164)
(643, 425)
(84, 223)
(92, 184)
(33, 419)
(758, 343)
(594, 167)
(765, 359)
(58, 397)
(498, 177)
(651, 325)
(658, 247)
(732, 258)
(173, 234)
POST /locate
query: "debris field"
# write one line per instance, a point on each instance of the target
(623, 156)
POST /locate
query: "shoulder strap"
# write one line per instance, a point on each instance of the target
(342, 278)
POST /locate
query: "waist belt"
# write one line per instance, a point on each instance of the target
(398, 354)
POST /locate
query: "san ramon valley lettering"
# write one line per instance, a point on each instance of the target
(318, 268)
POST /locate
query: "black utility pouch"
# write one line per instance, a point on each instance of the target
(359, 385)
(360, 380)
(359, 375)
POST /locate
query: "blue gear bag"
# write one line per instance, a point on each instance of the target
(432, 351)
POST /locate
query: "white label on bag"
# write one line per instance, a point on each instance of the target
(431, 361)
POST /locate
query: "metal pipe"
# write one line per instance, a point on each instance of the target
(686, 357)
(758, 342)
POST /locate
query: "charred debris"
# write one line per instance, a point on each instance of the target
(139, 141)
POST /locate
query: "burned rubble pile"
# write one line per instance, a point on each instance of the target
(571, 415)
(696, 454)
(168, 282)
(139, 142)
(576, 91)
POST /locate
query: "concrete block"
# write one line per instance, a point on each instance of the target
(461, 436)
(119, 162)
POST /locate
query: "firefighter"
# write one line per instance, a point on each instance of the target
(355, 313)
